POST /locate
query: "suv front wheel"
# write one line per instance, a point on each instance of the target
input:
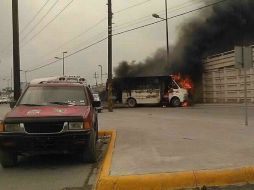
(8, 159)
(89, 154)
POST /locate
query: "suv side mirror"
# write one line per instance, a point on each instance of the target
(96, 104)
(12, 104)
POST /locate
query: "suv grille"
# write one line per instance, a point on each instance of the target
(44, 127)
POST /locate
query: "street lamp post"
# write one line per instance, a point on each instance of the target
(101, 72)
(62, 59)
(166, 19)
(25, 74)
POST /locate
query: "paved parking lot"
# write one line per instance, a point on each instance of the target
(152, 140)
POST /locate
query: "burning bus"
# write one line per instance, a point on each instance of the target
(149, 90)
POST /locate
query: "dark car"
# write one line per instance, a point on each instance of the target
(97, 102)
(53, 116)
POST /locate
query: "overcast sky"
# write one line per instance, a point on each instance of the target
(40, 44)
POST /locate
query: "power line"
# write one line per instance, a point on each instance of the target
(102, 20)
(82, 49)
(136, 5)
(78, 36)
(187, 12)
(93, 38)
(118, 27)
(84, 32)
(48, 23)
(136, 28)
(201, 1)
(42, 18)
(24, 28)
(129, 30)
(132, 23)
(35, 16)
(40, 67)
(145, 18)
(99, 22)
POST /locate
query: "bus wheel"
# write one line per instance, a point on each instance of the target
(175, 102)
(131, 102)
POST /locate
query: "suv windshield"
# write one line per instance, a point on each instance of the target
(53, 95)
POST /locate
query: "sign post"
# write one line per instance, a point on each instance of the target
(244, 60)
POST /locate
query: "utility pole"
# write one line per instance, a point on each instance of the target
(95, 76)
(245, 87)
(244, 61)
(62, 60)
(101, 73)
(11, 78)
(166, 10)
(110, 14)
(16, 56)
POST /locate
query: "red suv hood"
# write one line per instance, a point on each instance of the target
(48, 111)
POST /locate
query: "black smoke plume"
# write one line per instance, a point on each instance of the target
(218, 29)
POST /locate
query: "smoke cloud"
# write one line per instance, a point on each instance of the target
(152, 66)
(225, 25)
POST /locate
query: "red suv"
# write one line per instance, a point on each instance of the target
(50, 117)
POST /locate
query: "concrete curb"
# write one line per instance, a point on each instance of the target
(168, 181)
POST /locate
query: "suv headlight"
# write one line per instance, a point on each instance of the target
(76, 126)
(1, 126)
(14, 127)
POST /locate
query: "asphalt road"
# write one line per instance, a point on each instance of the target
(49, 172)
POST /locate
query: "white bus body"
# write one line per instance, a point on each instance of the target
(158, 93)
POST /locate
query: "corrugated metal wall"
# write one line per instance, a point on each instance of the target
(222, 83)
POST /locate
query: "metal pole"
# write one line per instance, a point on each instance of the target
(26, 76)
(166, 10)
(101, 73)
(110, 14)
(245, 97)
(245, 88)
(11, 79)
(16, 56)
(95, 76)
(63, 63)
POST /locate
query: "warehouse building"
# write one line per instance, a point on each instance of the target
(223, 83)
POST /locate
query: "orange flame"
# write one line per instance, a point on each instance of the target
(185, 104)
(185, 81)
